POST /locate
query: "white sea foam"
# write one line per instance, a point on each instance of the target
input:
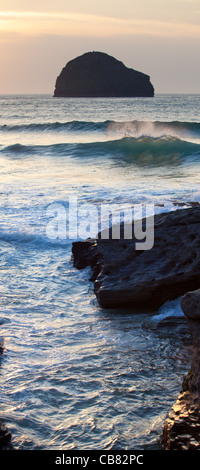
(172, 308)
(32, 238)
(76, 363)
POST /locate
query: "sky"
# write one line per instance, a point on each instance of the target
(157, 37)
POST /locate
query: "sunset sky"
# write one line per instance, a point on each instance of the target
(158, 37)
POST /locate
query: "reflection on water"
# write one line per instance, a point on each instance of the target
(74, 375)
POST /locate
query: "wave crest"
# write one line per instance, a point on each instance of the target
(128, 148)
(133, 128)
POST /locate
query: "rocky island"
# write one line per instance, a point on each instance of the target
(96, 74)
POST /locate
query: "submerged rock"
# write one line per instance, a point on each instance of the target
(1, 344)
(124, 277)
(5, 436)
(190, 304)
(96, 74)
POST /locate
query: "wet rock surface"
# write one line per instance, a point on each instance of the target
(5, 435)
(190, 304)
(126, 277)
(1, 345)
(182, 426)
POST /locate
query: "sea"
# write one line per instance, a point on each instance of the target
(74, 375)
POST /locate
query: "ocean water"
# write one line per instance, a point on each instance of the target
(73, 375)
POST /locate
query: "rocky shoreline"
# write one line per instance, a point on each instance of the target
(182, 426)
(124, 277)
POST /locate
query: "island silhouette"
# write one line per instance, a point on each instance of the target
(96, 74)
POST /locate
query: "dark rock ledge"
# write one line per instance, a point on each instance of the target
(182, 426)
(124, 278)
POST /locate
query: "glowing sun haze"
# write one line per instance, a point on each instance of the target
(161, 38)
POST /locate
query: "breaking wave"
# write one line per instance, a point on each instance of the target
(39, 240)
(128, 128)
(128, 148)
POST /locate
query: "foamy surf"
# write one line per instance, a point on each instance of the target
(32, 238)
(170, 309)
(74, 375)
